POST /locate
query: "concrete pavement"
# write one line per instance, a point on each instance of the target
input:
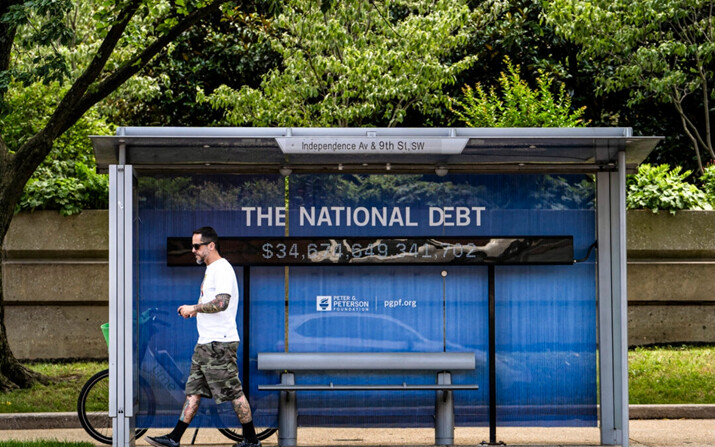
(643, 433)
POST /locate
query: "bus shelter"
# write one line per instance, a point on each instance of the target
(505, 243)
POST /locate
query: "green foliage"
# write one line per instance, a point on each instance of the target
(516, 104)
(56, 41)
(645, 49)
(43, 24)
(226, 48)
(66, 181)
(708, 183)
(66, 186)
(660, 188)
(515, 29)
(654, 45)
(354, 63)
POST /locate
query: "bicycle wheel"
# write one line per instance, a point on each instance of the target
(232, 434)
(93, 408)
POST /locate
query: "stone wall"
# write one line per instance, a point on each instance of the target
(671, 277)
(55, 279)
(55, 275)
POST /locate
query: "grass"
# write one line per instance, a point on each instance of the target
(672, 375)
(663, 375)
(59, 396)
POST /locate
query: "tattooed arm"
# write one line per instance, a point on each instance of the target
(218, 304)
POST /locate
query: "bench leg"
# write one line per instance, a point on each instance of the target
(287, 414)
(444, 412)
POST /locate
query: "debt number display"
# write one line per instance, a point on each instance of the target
(383, 250)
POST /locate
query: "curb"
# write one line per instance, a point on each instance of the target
(38, 421)
(44, 421)
(684, 411)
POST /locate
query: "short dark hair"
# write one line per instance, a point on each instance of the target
(208, 234)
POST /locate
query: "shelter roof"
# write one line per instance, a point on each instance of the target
(371, 150)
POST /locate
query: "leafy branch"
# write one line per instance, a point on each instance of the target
(516, 104)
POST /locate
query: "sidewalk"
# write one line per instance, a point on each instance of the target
(643, 433)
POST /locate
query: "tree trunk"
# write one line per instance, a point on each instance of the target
(12, 373)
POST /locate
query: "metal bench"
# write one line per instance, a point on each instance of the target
(443, 363)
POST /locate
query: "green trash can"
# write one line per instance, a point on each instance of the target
(105, 331)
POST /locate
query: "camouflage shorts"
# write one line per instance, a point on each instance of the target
(214, 372)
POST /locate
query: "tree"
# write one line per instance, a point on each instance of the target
(650, 49)
(516, 104)
(229, 51)
(514, 30)
(354, 63)
(33, 37)
(66, 180)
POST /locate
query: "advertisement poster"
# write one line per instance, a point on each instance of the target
(545, 314)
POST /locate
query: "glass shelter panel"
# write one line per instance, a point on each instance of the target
(171, 206)
(545, 314)
(546, 354)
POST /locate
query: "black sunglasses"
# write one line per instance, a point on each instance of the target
(197, 246)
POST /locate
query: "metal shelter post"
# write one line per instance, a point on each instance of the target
(444, 412)
(492, 359)
(287, 414)
(612, 305)
(121, 393)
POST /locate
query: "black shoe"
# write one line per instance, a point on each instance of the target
(245, 443)
(162, 441)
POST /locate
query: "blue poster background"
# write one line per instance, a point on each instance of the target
(545, 315)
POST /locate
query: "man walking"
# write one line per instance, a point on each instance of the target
(214, 372)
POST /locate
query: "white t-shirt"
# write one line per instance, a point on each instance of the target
(220, 326)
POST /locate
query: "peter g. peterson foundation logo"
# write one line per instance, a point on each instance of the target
(341, 303)
(324, 303)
